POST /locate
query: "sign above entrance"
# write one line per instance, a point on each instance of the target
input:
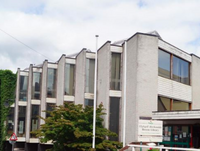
(150, 131)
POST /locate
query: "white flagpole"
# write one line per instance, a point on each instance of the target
(95, 95)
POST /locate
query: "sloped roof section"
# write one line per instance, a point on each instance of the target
(155, 33)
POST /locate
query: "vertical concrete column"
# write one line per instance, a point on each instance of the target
(80, 77)
(60, 81)
(17, 102)
(43, 91)
(28, 107)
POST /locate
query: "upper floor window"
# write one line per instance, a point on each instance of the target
(21, 121)
(34, 119)
(115, 71)
(163, 64)
(36, 85)
(180, 68)
(51, 83)
(90, 68)
(23, 88)
(89, 102)
(69, 79)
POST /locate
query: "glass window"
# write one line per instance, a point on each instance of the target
(36, 85)
(23, 88)
(90, 68)
(114, 117)
(180, 70)
(115, 71)
(163, 104)
(21, 121)
(34, 119)
(180, 105)
(163, 64)
(10, 121)
(51, 83)
(69, 79)
(89, 102)
(50, 107)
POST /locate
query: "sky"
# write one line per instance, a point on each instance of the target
(34, 30)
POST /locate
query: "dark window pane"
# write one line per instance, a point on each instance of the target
(114, 117)
(163, 104)
(115, 71)
(180, 70)
(10, 122)
(89, 102)
(34, 119)
(180, 105)
(163, 64)
(21, 121)
(51, 83)
(50, 107)
(90, 68)
(23, 88)
(69, 79)
(36, 85)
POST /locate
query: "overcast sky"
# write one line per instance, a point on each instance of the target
(55, 27)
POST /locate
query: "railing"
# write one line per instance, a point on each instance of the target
(162, 147)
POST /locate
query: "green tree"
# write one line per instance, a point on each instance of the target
(7, 87)
(70, 128)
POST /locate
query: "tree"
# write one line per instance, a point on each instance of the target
(7, 87)
(70, 128)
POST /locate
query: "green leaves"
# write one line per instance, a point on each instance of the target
(70, 128)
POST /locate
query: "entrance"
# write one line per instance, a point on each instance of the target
(196, 136)
(176, 136)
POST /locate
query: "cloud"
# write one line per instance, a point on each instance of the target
(53, 28)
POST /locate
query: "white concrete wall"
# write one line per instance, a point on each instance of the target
(142, 77)
(43, 91)
(28, 107)
(103, 80)
(80, 77)
(60, 81)
(195, 82)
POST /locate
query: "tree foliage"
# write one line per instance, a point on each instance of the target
(7, 87)
(70, 126)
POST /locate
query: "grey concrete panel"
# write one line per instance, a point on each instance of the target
(103, 79)
(60, 81)
(80, 77)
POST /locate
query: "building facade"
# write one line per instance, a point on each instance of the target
(142, 77)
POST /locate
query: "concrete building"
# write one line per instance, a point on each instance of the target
(161, 83)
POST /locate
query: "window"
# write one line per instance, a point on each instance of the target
(51, 83)
(163, 64)
(34, 119)
(36, 85)
(90, 68)
(10, 121)
(180, 70)
(167, 104)
(21, 121)
(23, 88)
(115, 71)
(179, 105)
(163, 104)
(50, 107)
(89, 102)
(69, 79)
(114, 117)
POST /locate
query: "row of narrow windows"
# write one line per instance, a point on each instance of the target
(69, 76)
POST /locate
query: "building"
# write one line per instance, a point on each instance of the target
(162, 83)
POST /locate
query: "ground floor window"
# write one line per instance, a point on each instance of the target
(21, 121)
(167, 104)
(114, 117)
